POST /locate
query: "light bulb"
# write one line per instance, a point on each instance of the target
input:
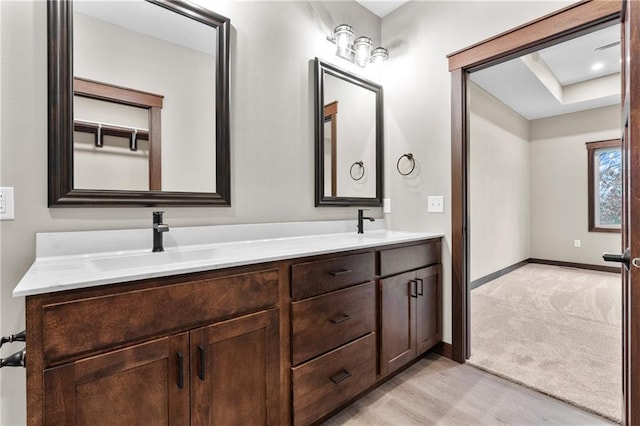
(379, 55)
(343, 35)
(362, 47)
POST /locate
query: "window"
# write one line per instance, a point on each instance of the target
(605, 185)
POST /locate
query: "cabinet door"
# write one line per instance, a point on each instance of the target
(428, 328)
(397, 310)
(141, 384)
(235, 371)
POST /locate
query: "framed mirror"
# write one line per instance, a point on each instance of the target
(348, 138)
(138, 104)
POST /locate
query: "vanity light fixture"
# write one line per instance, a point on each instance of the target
(359, 50)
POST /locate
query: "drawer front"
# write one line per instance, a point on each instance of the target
(322, 276)
(85, 325)
(328, 321)
(321, 385)
(394, 261)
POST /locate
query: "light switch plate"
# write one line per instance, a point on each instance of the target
(435, 204)
(6, 203)
(386, 205)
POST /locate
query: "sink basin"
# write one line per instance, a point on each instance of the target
(144, 260)
(380, 235)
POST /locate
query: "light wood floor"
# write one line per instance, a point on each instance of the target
(438, 391)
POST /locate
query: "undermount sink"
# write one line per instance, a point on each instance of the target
(380, 235)
(142, 260)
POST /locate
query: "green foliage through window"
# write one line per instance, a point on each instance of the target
(609, 187)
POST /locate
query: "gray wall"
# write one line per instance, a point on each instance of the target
(499, 185)
(528, 185)
(559, 182)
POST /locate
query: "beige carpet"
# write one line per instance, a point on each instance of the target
(554, 329)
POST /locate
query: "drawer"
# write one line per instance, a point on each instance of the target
(325, 322)
(402, 259)
(322, 276)
(321, 385)
(96, 323)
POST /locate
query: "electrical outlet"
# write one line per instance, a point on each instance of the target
(6, 203)
(577, 243)
(386, 205)
(435, 204)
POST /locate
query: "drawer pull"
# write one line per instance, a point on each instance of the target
(413, 285)
(341, 376)
(421, 288)
(180, 370)
(340, 272)
(203, 359)
(340, 319)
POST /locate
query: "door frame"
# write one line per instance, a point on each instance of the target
(565, 24)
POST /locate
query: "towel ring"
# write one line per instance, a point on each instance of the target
(410, 158)
(357, 163)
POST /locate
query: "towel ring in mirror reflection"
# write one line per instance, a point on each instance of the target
(357, 163)
(410, 158)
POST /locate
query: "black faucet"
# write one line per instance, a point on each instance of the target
(158, 229)
(360, 219)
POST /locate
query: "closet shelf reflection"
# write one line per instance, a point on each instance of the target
(99, 130)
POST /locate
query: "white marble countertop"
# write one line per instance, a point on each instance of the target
(81, 265)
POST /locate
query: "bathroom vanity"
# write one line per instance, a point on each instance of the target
(269, 331)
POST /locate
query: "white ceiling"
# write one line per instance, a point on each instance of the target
(559, 79)
(382, 7)
(152, 20)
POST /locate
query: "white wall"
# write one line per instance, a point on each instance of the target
(559, 205)
(498, 185)
(272, 155)
(417, 88)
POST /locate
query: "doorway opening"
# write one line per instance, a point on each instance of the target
(575, 20)
(542, 311)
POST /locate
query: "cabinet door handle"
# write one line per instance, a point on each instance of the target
(203, 359)
(180, 370)
(340, 272)
(340, 319)
(413, 285)
(341, 376)
(421, 288)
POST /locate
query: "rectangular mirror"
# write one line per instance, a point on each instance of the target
(349, 145)
(139, 112)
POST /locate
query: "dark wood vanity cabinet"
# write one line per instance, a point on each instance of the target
(276, 343)
(410, 304)
(356, 318)
(333, 339)
(235, 371)
(200, 349)
(125, 386)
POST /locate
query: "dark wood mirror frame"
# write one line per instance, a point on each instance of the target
(60, 117)
(322, 69)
